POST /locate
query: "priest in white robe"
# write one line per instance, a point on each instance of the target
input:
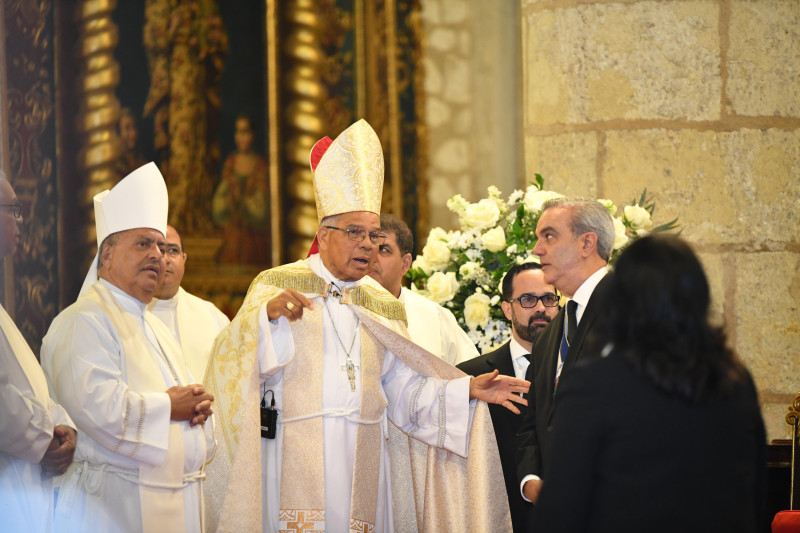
(429, 324)
(329, 344)
(194, 322)
(37, 440)
(119, 373)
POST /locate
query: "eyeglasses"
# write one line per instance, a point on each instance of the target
(17, 208)
(358, 235)
(529, 300)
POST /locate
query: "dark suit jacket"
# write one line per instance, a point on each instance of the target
(627, 457)
(506, 425)
(532, 436)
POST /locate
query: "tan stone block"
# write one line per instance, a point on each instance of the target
(647, 60)
(763, 167)
(768, 318)
(457, 80)
(455, 11)
(545, 79)
(451, 155)
(430, 12)
(433, 76)
(436, 112)
(774, 415)
(440, 188)
(566, 162)
(714, 265)
(763, 58)
(442, 39)
(685, 170)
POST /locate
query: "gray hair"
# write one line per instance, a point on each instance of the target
(588, 216)
(110, 240)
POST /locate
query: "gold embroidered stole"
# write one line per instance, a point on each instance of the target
(161, 508)
(302, 483)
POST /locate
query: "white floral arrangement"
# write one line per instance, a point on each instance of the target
(463, 270)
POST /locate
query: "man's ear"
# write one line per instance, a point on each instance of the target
(406, 263)
(506, 307)
(105, 254)
(588, 243)
(322, 238)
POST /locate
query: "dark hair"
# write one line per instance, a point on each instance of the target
(392, 224)
(657, 303)
(508, 280)
(180, 239)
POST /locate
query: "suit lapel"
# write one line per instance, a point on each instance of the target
(501, 360)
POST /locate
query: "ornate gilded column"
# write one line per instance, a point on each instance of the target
(98, 106)
(305, 94)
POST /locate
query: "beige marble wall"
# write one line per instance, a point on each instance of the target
(472, 98)
(697, 101)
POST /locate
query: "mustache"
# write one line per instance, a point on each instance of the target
(540, 315)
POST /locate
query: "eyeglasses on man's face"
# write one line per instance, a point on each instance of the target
(530, 300)
(358, 235)
(16, 206)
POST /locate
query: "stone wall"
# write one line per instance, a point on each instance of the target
(697, 101)
(472, 100)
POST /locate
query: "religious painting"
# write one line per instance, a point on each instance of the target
(193, 97)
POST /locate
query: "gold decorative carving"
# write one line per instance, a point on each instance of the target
(98, 107)
(305, 97)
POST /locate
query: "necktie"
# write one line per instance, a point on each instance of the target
(572, 321)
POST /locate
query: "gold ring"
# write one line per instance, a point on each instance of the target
(289, 306)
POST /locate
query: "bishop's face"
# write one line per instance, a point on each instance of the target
(346, 259)
(135, 263)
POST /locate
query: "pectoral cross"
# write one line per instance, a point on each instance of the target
(350, 368)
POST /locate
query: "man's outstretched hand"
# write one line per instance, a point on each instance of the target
(494, 388)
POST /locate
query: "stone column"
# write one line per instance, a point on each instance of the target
(697, 101)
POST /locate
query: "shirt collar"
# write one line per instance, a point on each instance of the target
(516, 349)
(317, 266)
(584, 292)
(129, 303)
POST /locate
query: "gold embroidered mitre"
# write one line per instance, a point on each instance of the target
(348, 172)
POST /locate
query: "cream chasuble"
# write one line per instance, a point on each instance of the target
(346, 467)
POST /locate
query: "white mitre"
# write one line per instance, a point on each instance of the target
(139, 200)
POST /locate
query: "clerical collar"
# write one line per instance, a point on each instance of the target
(318, 267)
(169, 303)
(130, 303)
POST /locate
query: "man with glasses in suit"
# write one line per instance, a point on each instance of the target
(530, 304)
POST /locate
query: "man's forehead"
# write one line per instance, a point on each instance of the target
(148, 233)
(557, 217)
(365, 219)
(531, 282)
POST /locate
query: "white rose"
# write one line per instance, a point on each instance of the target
(476, 311)
(437, 254)
(534, 198)
(621, 238)
(511, 250)
(637, 216)
(437, 234)
(483, 214)
(442, 286)
(494, 240)
(421, 262)
(609, 205)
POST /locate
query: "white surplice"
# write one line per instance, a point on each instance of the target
(28, 417)
(435, 328)
(276, 349)
(195, 324)
(83, 360)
